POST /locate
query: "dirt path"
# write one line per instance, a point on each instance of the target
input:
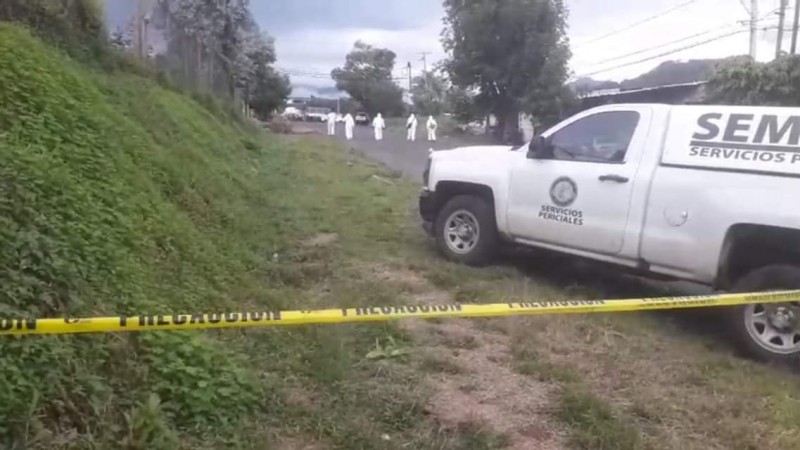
(470, 372)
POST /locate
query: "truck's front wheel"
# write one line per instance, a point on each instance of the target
(466, 230)
(768, 332)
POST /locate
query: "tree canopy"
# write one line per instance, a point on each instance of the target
(367, 77)
(744, 82)
(217, 46)
(429, 93)
(514, 53)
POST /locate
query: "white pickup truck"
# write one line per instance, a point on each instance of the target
(709, 194)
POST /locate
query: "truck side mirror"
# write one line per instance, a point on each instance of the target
(539, 148)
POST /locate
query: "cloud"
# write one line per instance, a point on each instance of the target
(294, 15)
(315, 35)
(408, 29)
(705, 19)
(321, 50)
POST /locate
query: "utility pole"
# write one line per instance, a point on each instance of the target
(795, 26)
(753, 28)
(140, 25)
(409, 78)
(424, 60)
(781, 24)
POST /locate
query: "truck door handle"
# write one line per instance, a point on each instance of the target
(614, 178)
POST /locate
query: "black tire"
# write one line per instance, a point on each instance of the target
(770, 278)
(484, 250)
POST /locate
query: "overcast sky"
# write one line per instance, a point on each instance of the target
(315, 35)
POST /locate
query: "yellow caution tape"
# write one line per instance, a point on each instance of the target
(67, 325)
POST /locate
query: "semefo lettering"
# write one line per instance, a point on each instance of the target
(739, 154)
(743, 128)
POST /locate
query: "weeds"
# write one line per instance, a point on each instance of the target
(592, 423)
(118, 196)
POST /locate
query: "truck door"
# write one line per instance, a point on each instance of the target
(581, 196)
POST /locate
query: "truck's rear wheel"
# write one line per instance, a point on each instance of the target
(768, 332)
(466, 230)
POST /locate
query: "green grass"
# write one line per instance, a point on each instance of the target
(118, 196)
(592, 422)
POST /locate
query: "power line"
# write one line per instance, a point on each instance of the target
(782, 21)
(773, 12)
(687, 47)
(636, 24)
(677, 50)
(744, 5)
(665, 44)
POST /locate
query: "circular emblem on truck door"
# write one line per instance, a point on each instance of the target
(563, 192)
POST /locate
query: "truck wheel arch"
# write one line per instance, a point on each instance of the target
(748, 247)
(446, 190)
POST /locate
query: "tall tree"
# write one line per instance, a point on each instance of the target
(429, 92)
(461, 104)
(216, 45)
(367, 77)
(265, 90)
(514, 52)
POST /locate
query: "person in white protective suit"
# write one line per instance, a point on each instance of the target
(411, 125)
(349, 124)
(431, 125)
(331, 123)
(378, 124)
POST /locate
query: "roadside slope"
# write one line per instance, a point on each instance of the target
(119, 196)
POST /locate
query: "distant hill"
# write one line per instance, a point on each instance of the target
(669, 72)
(673, 72)
(586, 84)
(308, 90)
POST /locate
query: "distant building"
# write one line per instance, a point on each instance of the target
(673, 94)
(297, 101)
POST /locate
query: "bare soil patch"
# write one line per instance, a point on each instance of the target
(469, 371)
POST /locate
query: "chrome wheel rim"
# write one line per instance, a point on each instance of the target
(774, 327)
(461, 231)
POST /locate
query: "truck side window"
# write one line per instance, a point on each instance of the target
(602, 137)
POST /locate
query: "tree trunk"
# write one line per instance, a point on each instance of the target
(499, 127)
(507, 131)
(186, 54)
(198, 71)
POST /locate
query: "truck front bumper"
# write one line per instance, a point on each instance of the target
(427, 210)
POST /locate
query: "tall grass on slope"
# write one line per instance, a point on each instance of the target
(119, 197)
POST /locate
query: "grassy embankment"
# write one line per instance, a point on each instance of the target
(120, 196)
